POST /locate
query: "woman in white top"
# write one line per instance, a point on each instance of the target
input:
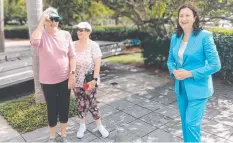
(88, 56)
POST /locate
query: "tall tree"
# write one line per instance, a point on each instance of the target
(34, 12)
(2, 37)
(160, 15)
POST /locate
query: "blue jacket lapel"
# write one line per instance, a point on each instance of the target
(179, 40)
(190, 45)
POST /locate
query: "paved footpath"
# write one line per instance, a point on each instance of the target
(140, 106)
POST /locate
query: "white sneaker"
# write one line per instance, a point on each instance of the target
(81, 130)
(103, 131)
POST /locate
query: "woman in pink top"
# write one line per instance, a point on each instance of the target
(88, 57)
(57, 66)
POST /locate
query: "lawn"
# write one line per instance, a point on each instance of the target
(135, 58)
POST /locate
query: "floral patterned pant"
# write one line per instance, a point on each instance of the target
(86, 103)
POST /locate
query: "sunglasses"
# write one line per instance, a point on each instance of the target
(82, 29)
(56, 19)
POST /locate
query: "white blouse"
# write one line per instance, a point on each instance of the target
(85, 61)
(181, 51)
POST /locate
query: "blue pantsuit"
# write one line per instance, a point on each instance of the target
(201, 59)
(191, 113)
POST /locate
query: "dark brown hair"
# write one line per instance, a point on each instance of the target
(196, 28)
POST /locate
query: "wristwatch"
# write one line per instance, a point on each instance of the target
(72, 72)
(97, 79)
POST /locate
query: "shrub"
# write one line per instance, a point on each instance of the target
(221, 31)
(224, 45)
(25, 115)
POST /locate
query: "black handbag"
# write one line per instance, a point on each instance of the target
(89, 76)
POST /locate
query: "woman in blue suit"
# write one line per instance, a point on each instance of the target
(192, 60)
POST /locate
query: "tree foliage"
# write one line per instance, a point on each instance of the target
(161, 15)
(15, 10)
(74, 11)
(211, 10)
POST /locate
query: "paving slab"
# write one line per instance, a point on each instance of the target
(166, 100)
(210, 138)
(160, 136)
(136, 111)
(151, 105)
(155, 119)
(224, 117)
(135, 99)
(6, 131)
(173, 127)
(130, 132)
(218, 129)
(39, 135)
(112, 122)
(16, 139)
(169, 112)
(121, 104)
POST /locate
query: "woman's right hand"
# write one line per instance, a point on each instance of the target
(91, 86)
(181, 74)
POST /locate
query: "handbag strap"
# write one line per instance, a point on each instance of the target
(92, 55)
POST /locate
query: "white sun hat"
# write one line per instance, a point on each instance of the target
(83, 25)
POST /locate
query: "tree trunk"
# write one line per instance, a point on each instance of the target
(116, 20)
(34, 12)
(2, 37)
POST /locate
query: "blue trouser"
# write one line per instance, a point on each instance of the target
(191, 113)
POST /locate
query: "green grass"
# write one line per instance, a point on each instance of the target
(25, 115)
(222, 30)
(8, 27)
(135, 58)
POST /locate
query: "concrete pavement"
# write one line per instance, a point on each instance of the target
(140, 106)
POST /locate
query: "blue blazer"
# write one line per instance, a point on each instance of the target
(201, 58)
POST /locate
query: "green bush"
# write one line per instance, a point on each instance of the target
(25, 115)
(221, 31)
(224, 45)
(155, 50)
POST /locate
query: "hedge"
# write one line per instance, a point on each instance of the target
(99, 32)
(12, 33)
